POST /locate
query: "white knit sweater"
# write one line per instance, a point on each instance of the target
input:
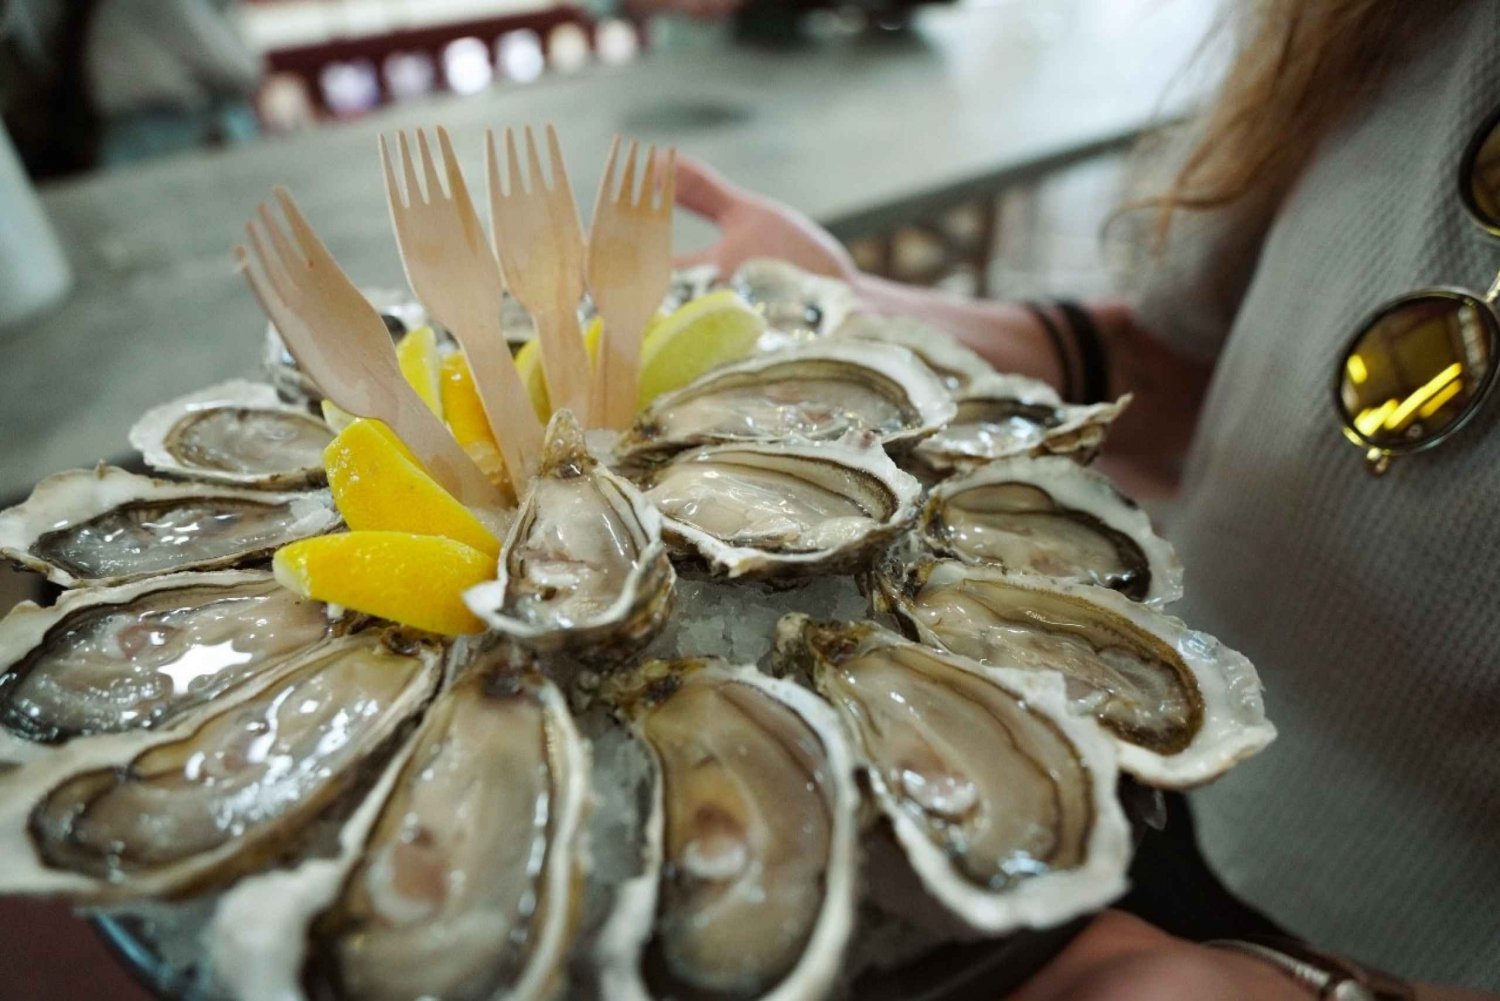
(1370, 606)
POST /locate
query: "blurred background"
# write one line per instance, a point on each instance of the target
(977, 145)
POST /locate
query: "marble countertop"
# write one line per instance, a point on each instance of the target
(858, 134)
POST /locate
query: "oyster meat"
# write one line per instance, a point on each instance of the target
(797, 304)
(584, 564)
(167, 812)
(749, 888)
(1053, 518)
(955, 364)
(819, 391)
(1004, 805)
(136, 656)
(783, 507)
(107, 526)
(1004, 415)
(237, 432)
(468, 885)
(1182, 707)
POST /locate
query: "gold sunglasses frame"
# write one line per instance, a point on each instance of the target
(1378, 455)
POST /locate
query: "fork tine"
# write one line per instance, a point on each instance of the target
(265, 270)
(392, 192)
(458, 189)
(561, 186)
(409, 172)
(648, 180)
(627, 183)
(429, 169)
(669, 185)
(286, 255)
(607, 182)
(312, 246)
(534, 163)
(515, 183)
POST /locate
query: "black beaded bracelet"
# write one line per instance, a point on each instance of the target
(1093, 362)
(1059, 345)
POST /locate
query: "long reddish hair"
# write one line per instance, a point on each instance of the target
(1300, 66)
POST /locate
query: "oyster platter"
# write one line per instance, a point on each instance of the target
(829, 652)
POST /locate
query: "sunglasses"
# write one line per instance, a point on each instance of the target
(1418, 369)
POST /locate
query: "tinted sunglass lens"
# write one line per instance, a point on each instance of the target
(1479, 178)
(1417, 369)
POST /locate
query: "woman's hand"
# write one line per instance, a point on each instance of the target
(751, 225)
(1122, 958)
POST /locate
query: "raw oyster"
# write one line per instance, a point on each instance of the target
(748, 888)
(469, 883)
(1003, 803)
(774, 507)
(584, 564)
(798, 304)
(1053, 518)
(1000, 416)
(107, 526)
(167, 812)
(955, 364)
(817, 391)
(137, 656)
(1182, 707)
(398, 309)
(236, 432)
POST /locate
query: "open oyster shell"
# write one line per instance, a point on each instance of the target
(783, 507)
(1003, 803)
(167, 812)
(237, 432)
(819, 391)
(1182, 707)
(1053, 518)
(107, 526)
(797, 304)
(584, 565)
(955, 364)
(470, 882)
(999, 416)
(748, 889)
(137, 656)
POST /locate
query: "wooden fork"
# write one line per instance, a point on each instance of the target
(340, 340)
(453, 271)
(629, 271)
(540, 245)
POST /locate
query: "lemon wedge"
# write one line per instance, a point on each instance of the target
(705, 333)
(416, 580)
(379, 485)
(464, 411)
(529, 364)
(417, 354)
(335, 416)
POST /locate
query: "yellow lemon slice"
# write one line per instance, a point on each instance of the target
(335, 416)
(705, 333)
(417, 353)
(464, 411)
(378, 484)
(529, 364)
(416, 580)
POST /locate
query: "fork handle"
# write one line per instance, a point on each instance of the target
(429, 439)
(507, 404)
(565, 361)
(617, 371)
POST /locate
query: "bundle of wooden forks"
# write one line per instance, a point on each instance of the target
(536, 250)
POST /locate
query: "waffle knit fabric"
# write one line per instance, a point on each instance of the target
(1371, 607)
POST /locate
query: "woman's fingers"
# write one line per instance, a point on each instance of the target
(702, 191)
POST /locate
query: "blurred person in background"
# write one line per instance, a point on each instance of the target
(1319, 184)
(89, 83)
